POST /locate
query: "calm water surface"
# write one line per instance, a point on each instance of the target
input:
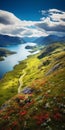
(12, 60)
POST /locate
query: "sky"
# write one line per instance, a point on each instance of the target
(32, 18)
(30, 9)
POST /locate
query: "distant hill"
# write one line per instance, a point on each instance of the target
(10, 40)
(49, 39)
(47, 50)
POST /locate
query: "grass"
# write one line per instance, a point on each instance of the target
(9, 84)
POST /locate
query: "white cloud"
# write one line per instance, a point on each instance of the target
(8, 18)
(52, 22)
(11, 25)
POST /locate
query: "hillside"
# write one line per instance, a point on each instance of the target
(6, 40)
(49, 40)
(40, 83)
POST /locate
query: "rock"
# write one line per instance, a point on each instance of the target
(48, 91)
(44, 124)
(47, 105)
(4, 106)
(27, 90)
(55, 67)
(49, 120)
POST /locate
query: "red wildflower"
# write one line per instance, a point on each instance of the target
(41, 118)
(30, 103)
(57, 116)
(23, 113)
(21, 97)
(5, 117)
(15, 123)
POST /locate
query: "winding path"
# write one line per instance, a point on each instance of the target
(21, 81)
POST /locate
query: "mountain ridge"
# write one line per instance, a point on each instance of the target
(49, 40)
(6, 40)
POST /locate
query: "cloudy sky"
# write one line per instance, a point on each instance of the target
(32, 18)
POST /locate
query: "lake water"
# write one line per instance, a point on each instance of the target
(12, 60)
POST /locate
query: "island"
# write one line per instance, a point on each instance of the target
(4, 53)
(34, 48)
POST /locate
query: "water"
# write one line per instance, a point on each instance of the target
(12, 60)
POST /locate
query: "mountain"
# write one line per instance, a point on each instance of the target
(33, 94)
(10, 40)
(49, 39)
(29, 39)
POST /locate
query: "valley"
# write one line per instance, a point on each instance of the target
(32, 96)
(32, 65)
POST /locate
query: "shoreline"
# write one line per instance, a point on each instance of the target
(14, 67)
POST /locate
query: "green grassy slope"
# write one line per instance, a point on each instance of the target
(41, 103)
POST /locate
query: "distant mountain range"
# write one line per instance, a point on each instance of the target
(49, 39)
(6, 40)
(10, 40)
(29, 39)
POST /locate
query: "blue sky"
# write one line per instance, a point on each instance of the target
(32, 18)
(30, 9)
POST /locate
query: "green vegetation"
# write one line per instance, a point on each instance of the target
(9, 84)
(41, 103)
(4, 53)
